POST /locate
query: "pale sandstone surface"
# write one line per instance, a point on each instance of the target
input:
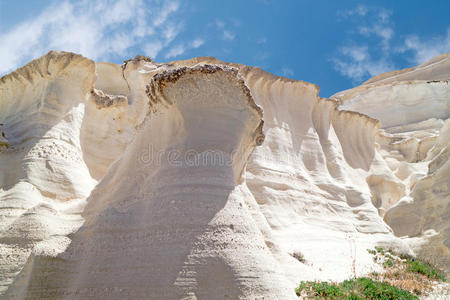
(412, 189)
(115, 182)
(437, 68)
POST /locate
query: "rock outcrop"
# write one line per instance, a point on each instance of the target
(200, 179)
(411, 190)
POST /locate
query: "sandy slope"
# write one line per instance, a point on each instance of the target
(161, 180)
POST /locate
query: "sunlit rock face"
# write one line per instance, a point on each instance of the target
(200, 179)
(410, 186)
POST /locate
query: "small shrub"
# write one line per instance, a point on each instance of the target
(426, 269)
(299, 256)
(380, 250)
(409, 273)
(373, 252)
(136, 58)
(361, 288)
(388, 263)
(389, 256)
(325, 289)
(143, 57)
(405, 256)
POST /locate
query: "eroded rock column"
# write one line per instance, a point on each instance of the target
(169, 219)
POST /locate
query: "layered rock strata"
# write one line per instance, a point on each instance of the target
(163, 181)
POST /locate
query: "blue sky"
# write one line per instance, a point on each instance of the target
(335, 44)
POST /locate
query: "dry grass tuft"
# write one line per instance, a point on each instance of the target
(401, 272)
(299, 256)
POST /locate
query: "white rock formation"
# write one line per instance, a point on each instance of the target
(411, 186)
(161, 181)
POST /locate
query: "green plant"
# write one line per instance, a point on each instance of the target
(388, 263)
(380, 250)
(422, 267)
(323, 289)
(361, 288)
(373, 252)
(389, 256)
(408, 272)
(405, 256)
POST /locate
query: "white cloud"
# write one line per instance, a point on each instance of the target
(360, 10)
(168, 8)
(220, 24)
(179, 49)
(424, 50)
(378, 23)
(228, 35)
(171, 31)
(356, 61)
(153, 48)
(175, 51)
(384, 15)
(97, 29)
(287, 72)
(358, 64)
(197, 43)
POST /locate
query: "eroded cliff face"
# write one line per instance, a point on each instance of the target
(164, 180)
(410, 184)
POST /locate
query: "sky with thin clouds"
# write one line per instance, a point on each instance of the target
(334, 44)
